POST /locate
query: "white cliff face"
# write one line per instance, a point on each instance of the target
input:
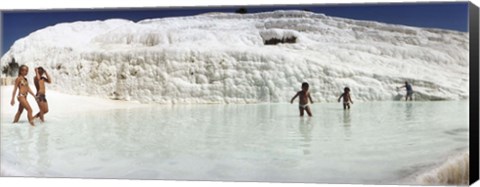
(223, 58)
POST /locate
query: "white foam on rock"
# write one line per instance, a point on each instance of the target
(455, 171)
(222, 58)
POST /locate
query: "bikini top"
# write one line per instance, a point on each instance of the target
(24, 82)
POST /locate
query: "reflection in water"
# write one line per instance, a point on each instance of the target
(22, 145)
(409, 111)
(346, 124)
(31, 150)
(346, 118)
(305, 127)
(42, 149)
(262, 142)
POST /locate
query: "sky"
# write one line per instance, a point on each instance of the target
(452, 16)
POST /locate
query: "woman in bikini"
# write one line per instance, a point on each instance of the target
(39, 81)
(21, 84)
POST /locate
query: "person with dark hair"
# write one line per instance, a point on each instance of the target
(346, 98)
(21, 84)
(409, 89)
(304, 96)
(40, 81)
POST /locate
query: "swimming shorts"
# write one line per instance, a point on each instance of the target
(410, 92)
(303, 106)
(41, 98)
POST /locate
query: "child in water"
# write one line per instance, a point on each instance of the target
(304, 95)
(346, 98)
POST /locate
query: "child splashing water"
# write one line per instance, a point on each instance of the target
(304, 96)
(21, 84)
(346, 98)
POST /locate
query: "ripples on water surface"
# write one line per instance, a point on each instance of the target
(377, 142)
